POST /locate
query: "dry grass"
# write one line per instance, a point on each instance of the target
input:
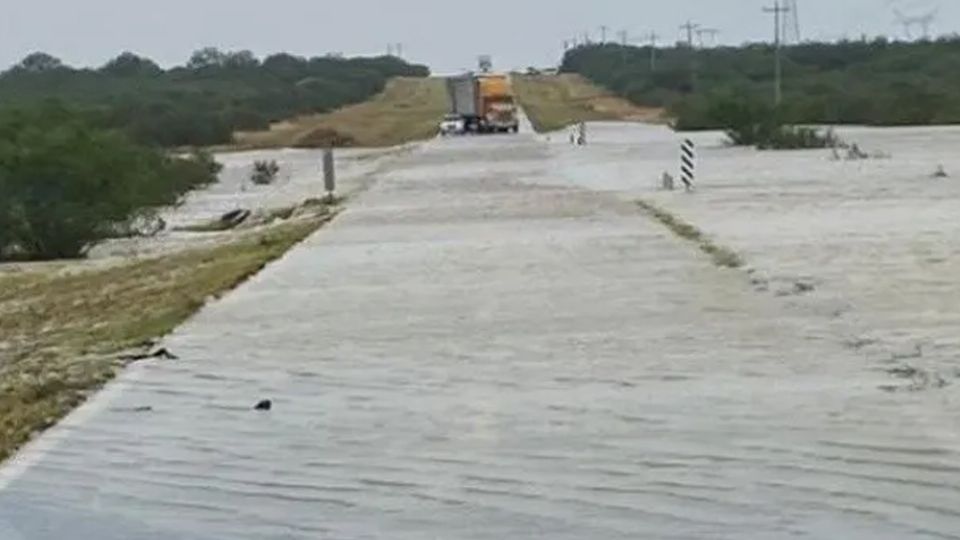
(61, 333)
(721, 256)
(409, 109)
(555, 101)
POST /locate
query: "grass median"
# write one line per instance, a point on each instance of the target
(721, 256)
(553, 102)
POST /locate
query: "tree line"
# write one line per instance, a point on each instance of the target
(870, 82)
(204, 101)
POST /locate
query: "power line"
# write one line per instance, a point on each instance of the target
(778, 11)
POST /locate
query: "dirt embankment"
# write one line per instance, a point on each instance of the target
(555, 101)
(409, 109)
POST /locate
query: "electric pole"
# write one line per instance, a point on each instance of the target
(777, 10)
(652, 38)
(712, 32)
(795, 20)
(603, 34)
(624, 40)
(690, 27)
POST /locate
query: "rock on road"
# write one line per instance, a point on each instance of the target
(481, 348)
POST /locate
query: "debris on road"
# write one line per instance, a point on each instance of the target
(920, 380)
(234, 218)
(667, 182)
(159, 354)
(263, 405)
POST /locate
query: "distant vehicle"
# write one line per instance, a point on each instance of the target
(497, 104)
(485, 102)
(452, 124)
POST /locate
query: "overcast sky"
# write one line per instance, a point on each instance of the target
(445, 34)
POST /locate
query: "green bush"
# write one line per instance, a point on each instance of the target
(798, 138)
(64, 184)
(750, 122)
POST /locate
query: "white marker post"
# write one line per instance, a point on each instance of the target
(329, 174)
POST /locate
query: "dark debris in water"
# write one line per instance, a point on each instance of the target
(798, 288)
(920, 380)
(159, 354)
(263, 405)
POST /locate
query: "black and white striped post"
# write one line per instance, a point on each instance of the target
(688, 163)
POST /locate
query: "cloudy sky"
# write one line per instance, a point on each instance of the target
(446, 34)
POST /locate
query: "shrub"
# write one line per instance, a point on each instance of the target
(264, 172)
(64, 184)
(750, 122)
(798, 138)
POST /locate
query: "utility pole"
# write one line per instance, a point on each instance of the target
(690, 27)
(712, 32)
(624, 40)
(399, 50)
(652, 38)
(603, 34)
(778, 11)
(795, 20)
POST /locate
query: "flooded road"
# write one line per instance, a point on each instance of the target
(493, 342)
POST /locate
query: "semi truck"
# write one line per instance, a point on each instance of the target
(485, 102)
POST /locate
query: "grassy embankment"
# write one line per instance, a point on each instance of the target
(553, 102)
(409, 109)
(63, 332)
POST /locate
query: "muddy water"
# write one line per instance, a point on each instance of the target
(492, 343)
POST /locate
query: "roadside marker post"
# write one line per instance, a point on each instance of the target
(688, 164)
(329, 174)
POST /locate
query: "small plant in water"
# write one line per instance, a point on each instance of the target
(264, 172)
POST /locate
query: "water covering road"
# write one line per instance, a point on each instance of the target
(492, 343)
